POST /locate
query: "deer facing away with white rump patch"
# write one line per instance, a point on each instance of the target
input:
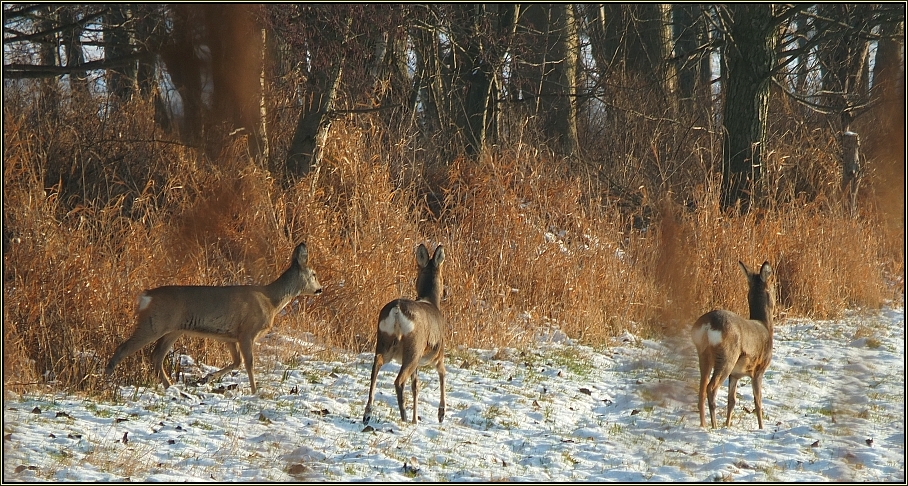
(235, 314)
(731, 346)
(412, 333)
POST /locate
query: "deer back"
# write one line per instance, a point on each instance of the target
(733, 334)
(416, 326)
(226, 311)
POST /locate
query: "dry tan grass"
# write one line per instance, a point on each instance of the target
(531, 246)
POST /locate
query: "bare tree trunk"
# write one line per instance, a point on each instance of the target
(488, 30)
(236, 47)
(749, 58)
(427, 90)
(845, 61)
(120, 83)
(851, 169)
(49, 92)
(185, 69)
(305, 153)
(72, 48)
(262, 135)
(553, 73)
(886, 64)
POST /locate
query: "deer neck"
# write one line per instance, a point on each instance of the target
(761, 310)
(285, 288)
(428, 287)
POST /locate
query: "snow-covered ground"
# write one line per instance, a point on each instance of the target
(834, 404)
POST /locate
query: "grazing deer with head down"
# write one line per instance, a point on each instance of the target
(412, 333)
(731, 346)
(235, 314)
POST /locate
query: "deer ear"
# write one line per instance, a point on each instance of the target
(439, 256)
(422, 255)
(765, 271)
(301, 254)
(744, 268)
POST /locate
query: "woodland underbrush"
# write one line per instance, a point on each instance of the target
(93, 216)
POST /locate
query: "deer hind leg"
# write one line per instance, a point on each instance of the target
(705, 368)
(440, 367)
(377, 363)
(235, 355)
(161, 348)
(414, 385)
(407, 369)
(757, 383)
(723, 369)
(732, 391)
(137, 341)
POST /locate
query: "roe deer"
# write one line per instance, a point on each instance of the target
(412, 333)
(234, 314)
(731, 346)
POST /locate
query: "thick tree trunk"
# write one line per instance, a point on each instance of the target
(236, 47)
(71, 39)
(305, 153)
(185, 71)
(886, 66)
(490, 27)
(120, 83)
(48, 93)
(306, 148)
(749, 59)
(427, 85)
(851, 169)
(553, 61)
(693, 67)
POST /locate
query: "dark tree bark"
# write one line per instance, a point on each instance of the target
(186, 69)
(305, 151)
(551, 73)
(844, 58)
(428, 86)
(390, 73)
(484, 33)
(214, 58)
(71, 41)
(236, 46)
(886, 68)
(692, 52)
(49, 95)
(634, 41)
(749, 58)
(121, 83)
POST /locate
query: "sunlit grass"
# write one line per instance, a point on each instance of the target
(534, 250)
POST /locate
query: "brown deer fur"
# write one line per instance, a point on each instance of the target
(235, 314)
(412, 333)
(731, 346)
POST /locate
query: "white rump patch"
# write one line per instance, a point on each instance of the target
(714, 336)
(396, 324)
(144, 300)
(699, 333)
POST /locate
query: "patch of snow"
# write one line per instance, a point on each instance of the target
(834, 404)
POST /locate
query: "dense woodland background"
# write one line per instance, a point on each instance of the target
(590, 167)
